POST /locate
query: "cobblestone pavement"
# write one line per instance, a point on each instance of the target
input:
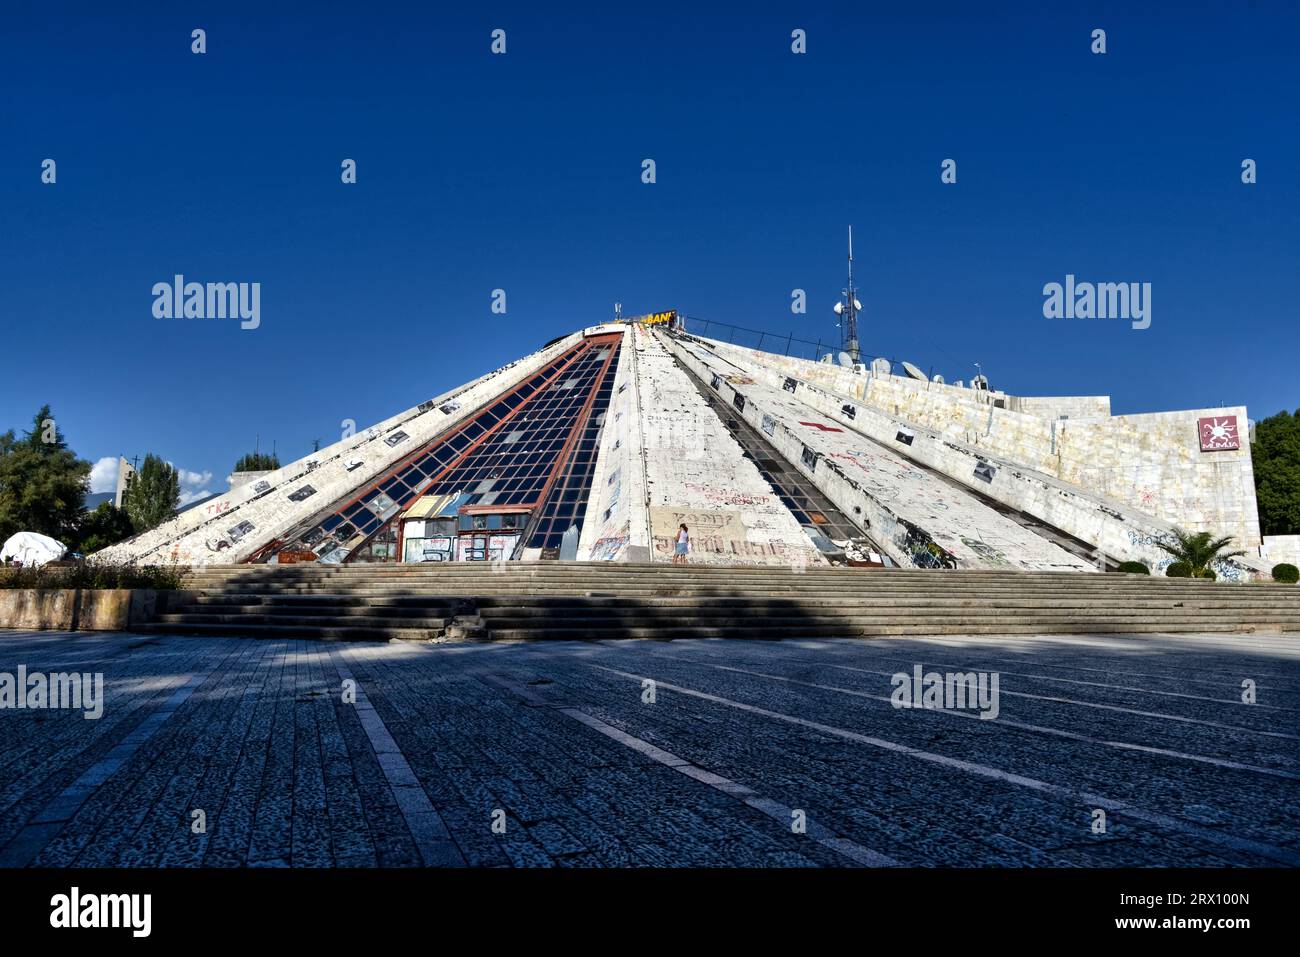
(763, 754)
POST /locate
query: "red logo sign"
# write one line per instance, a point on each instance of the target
(1218, 434)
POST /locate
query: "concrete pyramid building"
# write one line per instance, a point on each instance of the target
(600, 444)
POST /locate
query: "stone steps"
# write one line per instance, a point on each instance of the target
(417, 586)
(343, 605)
(559, 595)
(764, 628)
(593, 600)
(580, 571)
(841, 630)
(548, 605)
(253, 629)
(865, 578)
(940, 620)
(932, 610)
(524, 615)
(572, 569)
(606, 570)
(330, 620)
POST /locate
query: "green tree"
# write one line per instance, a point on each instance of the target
(1276, 455)
(154, 493)
(42, 482)
(106, 525)
(1197, 550)
(258, 462)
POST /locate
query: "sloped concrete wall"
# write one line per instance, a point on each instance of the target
(871, 482)
(676, 462)
(1151, 462)
(1118, 529)
(616, 526)
(195, 537)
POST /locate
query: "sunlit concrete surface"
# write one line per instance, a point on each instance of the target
(691, 753)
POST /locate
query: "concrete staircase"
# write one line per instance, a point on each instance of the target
(591, 600)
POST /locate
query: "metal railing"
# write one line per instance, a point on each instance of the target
(786, 344)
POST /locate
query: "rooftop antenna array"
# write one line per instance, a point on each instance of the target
(914, 372)
(847, 310)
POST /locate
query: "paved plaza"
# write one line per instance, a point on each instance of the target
(236, 752)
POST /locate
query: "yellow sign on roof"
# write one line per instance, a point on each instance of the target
(655, 318)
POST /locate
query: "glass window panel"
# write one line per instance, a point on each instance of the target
(409, 476)
(394, 489)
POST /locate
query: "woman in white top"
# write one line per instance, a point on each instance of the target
(683, 545)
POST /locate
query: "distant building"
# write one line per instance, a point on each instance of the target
(125, 473)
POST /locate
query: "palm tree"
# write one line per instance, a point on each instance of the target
(1198, 550)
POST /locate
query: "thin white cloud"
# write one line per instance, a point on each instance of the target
(103, 475)
(194, 478)
(188, 496)
(194, 485)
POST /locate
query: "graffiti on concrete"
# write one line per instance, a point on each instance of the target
(985, 551)
(609, 549)
(1225, 569)
(704, 547)
(919, 546)
(719, 496)
(1149, 540)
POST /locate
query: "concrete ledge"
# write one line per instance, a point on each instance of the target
(85, 609)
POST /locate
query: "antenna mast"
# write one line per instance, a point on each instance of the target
(847, 310)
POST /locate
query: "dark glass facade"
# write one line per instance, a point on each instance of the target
(531, 447)
(566, 501)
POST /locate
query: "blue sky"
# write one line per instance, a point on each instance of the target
(523, 172)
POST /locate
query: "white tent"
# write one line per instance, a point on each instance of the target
(32, 549)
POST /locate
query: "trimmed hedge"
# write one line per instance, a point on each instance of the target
(93, 575)
(1133, 568)
(1179, 570)
(1286, 573)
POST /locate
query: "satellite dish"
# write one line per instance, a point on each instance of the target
(856, 304)
(938, 378)
(880, 366)
(845, 359)
(839, 307)
(914, 372)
